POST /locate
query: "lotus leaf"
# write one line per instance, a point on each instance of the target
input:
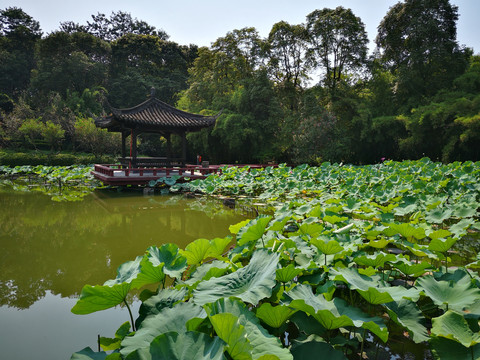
(254, 230)
(274, 316)
(287, 273)
(407, 314)
(456, 295)
(262, 342)
(251, 283)
(453, 326)
(334, 314)
(174, 262)
(181, 346)
(168, 319)
(228, 328)
(164, 298)
(408, 231)
(440, 245)
(376, 260)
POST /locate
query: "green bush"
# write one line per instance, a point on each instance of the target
(38, 158)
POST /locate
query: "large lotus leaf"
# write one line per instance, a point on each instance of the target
(411, 269)
(334, 314)
(439, 234)
(175, 263)
(406, 314)
(88, 354)
(406, 230)
(287, 273)
(262, 342)
(327, 247)
(279, 223)
(313, 229)
(229, 329)
(460, 228)
(351, 277)
(379, 244)
(456, 295)
(168, 319)
(207, 271)
(333, 219)
(196, 251)
(461, 211)
(254, 230)
(453, 326)
(100, 297)
(438, 215)
(371, 288)
(274, 316)
(375, 296)
(252, 283)
(153, 305)
(234, 229)
(375, 260)
(442, 245)
(181, 346)
(149, 273)
(305, 350)
(217, 246)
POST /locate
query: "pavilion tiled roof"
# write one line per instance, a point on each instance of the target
(155, 115)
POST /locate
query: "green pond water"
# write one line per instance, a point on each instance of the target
(49, 250)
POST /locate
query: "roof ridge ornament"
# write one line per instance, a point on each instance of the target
(152, 92)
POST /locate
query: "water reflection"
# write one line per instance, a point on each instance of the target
(59, 247)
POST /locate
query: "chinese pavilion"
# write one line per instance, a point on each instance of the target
(153, 116)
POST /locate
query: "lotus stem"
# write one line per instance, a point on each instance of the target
(363, 342)
(130, 312)
(98, 342)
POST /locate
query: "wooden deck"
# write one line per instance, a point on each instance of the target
(121, 175)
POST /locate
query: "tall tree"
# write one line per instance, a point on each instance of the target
(111, 28)
(18, 34)
(338, 43)
(70, 62)
(417, 40)
(142, 61)
(287, 49)
(243, 47)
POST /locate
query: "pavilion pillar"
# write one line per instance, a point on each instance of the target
(184, 147)
(169, 148)
(134, 148)
(124, 141)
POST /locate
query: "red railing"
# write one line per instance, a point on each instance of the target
(189, 170)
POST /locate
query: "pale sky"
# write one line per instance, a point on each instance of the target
(201, 22)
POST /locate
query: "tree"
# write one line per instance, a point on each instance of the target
(417, 40)
(338, 43)
(287, 48)
(110, 29)
(18, 34)
(70, 62)
(243, 47)
(142, 61)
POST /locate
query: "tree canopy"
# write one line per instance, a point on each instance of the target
(307, 92)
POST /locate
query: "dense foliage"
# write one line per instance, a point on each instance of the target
(304, 93)
(348, 261)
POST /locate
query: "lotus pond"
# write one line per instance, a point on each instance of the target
(50, 249)
(346, 262)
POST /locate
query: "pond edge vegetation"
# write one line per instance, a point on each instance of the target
(346, 261)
